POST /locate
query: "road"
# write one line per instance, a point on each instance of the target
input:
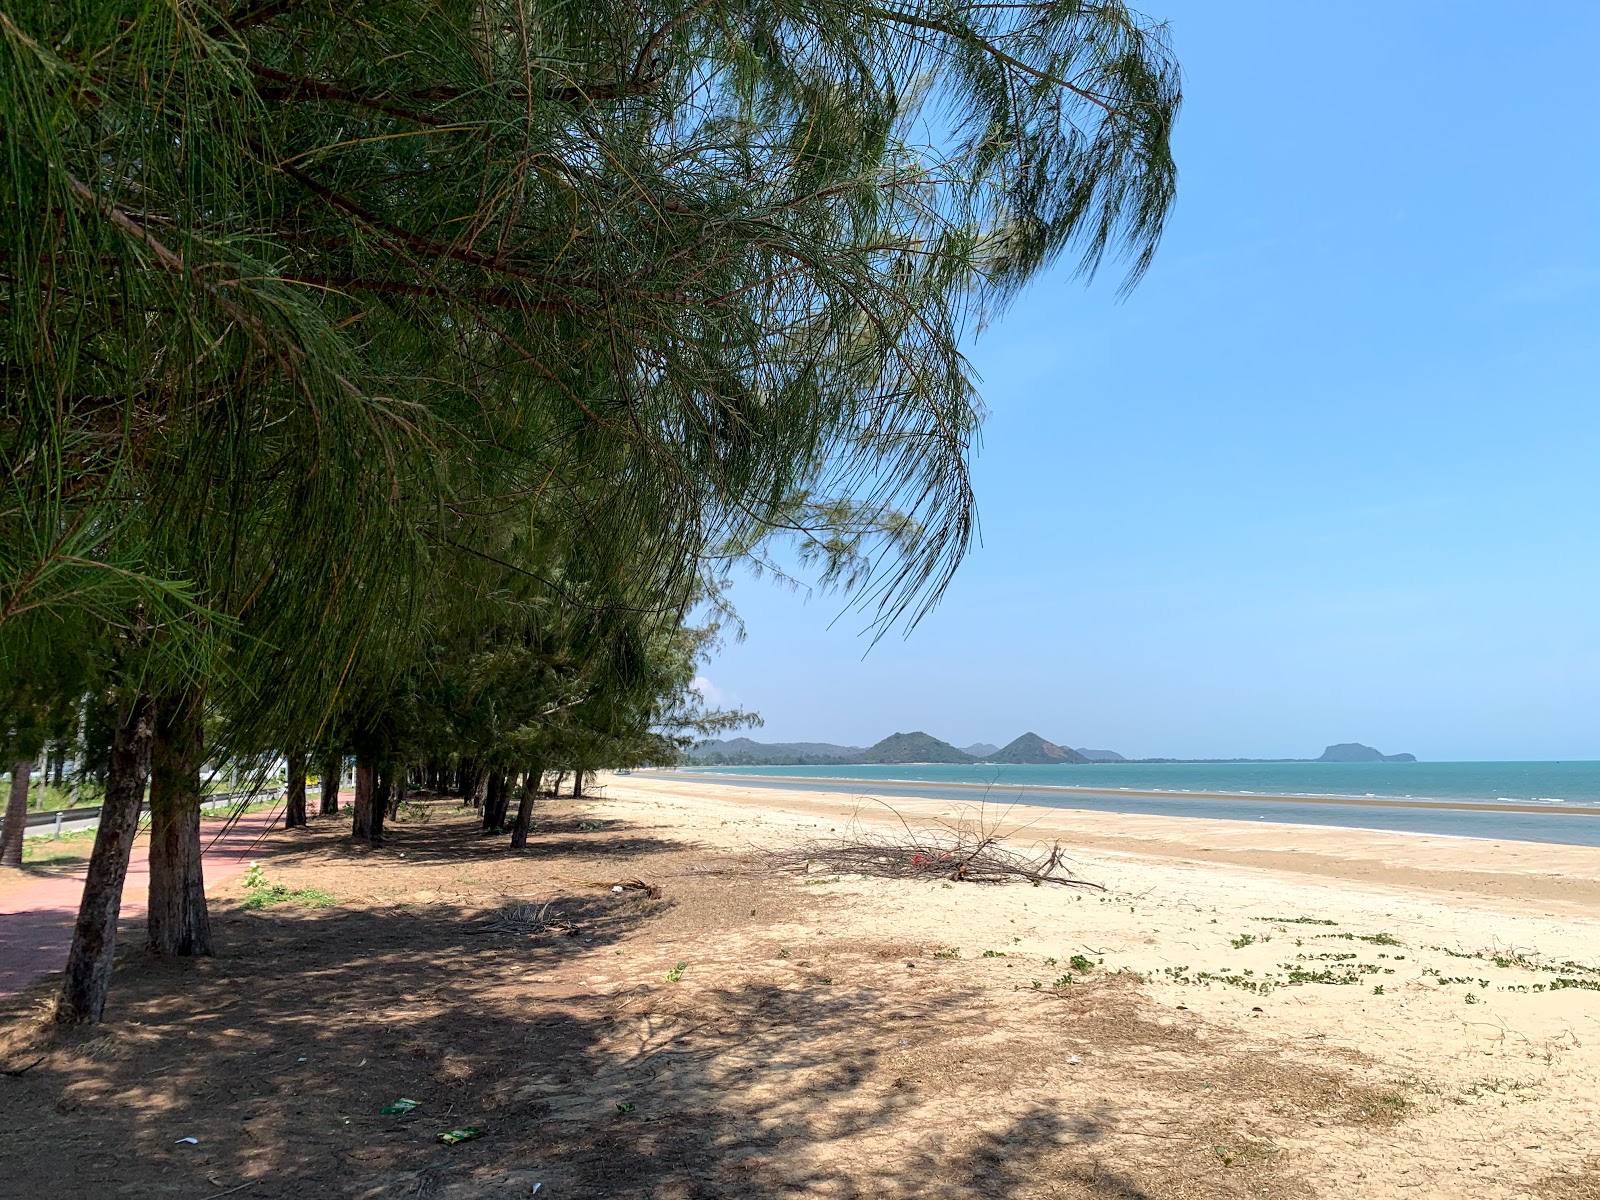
(37, 915)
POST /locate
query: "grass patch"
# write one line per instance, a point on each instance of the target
(266, 897)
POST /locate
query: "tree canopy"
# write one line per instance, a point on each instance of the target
(399, 377)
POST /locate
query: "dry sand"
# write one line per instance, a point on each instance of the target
(1500, 1074)
(752, 1035)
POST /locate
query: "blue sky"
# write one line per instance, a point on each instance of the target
(1330, 473)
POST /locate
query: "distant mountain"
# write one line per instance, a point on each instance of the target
(1031, 748)
(1347, 752)
(1101, 755)
(979, 749)
(743, 752)
(916, 747)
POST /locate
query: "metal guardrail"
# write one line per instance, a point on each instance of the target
(66, 816)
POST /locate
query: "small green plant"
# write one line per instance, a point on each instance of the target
(783, 952)
(1379, 939)
(1294, 921)
(1377, 989)
(677, 972)
(263, 894)
(949, 952)
(1064, 981)
(1049, 962)
(994, 954)
(1471, 999)
(624, 1107)
(1243, 940)
(1080, 964)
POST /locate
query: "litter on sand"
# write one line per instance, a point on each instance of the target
(399, 1108)
(191, 1141)
(464, 1134)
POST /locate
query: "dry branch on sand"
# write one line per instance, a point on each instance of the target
(968, 849)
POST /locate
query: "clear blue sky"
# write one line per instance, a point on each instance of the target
(1331, 473)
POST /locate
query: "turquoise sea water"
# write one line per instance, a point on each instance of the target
(1539, 792)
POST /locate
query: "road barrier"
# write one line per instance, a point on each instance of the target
(64, 816)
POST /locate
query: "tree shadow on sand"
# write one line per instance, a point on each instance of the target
(278, 1056)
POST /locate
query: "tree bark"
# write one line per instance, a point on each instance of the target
(530, 789)
(16, 814)
(294, 796)
(94, 938)
(332, 769)
(397, 795)
(577, 784)
(555, 790)
(361, 811)
(178, 922)
(491, 800)
(382, 794)
(60, 764)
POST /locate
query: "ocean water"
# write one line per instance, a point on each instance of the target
(1533, 801)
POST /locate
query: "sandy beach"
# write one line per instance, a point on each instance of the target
(642, 1006)
(1500, 1076)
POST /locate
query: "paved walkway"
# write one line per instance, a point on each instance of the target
(36, 918)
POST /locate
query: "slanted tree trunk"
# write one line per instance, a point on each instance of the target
(178, 922)
(555, 788)
(16, 814)
(94, 938)
(294, 795)
(332, 769)
(530, 789)
(361, 811)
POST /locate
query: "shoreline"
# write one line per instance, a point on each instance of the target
(1440, 804)
(1509, 874)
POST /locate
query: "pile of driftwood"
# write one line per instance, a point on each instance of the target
(966, 851)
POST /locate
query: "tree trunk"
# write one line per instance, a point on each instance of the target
(332, 768)
(78, 746)
(294, 796)
(94, 938)
(399, 794)
(60, 764)
(491, 800)
(361, 811)
(577, 784)
(555, 790)
(178, 921)
(530, 789)
(16, 814)
(382, 793)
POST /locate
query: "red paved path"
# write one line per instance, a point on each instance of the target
(36, 918)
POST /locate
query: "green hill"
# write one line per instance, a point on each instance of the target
(913, 748)
(1032, 749)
